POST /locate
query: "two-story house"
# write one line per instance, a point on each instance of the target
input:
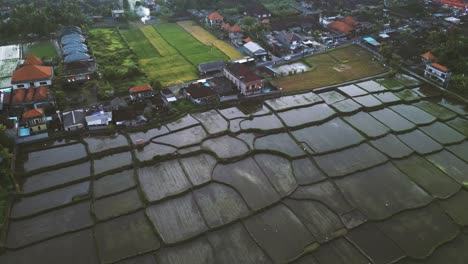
(437, 72)
(35, 120)
(32, 74)
(214, 19)
(245, 79)
(141, 92)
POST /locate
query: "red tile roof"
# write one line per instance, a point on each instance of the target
(247, 40)
(6, 97)
(18, 96)
(33, 113)
(225, 26)
(236, 28)
(41, 93)
(350, 21)
(141, 88)
(428, 56)
(29, 95)
(440, 67)
(215, 16)
(32, 60)
(341, 27)
(31, 73)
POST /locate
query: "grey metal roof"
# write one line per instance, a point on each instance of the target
(211, 66)
(74, 117)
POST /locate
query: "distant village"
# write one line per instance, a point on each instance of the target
(32, 107)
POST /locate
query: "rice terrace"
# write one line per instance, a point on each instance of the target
(168, 53)
(335, 66)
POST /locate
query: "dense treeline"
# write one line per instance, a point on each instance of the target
(42, 17)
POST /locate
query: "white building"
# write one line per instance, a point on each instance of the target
(437, 72)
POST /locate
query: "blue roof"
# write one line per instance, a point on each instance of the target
(76, 57)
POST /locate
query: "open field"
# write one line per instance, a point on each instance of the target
(139, 44)
(117, 63)
(169, 54)
(165, 53)
(336, 66)
(160, 61)
(157, 41)
(189, 47)
(43, 49)
(207, 38)
(280, 7)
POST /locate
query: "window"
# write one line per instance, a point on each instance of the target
(21, 86)
(43, 83)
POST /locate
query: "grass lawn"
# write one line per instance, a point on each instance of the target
(208, 39)
(119, 66)
(335, 66)
(43, 49)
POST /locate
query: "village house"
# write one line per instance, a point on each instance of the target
(214, 19)
(255, 51)
(141, 92)
(200, 94)
(289, 40)
(23, 97)
(32, 74)
(35, 120)
(168, 96)
(98, 120)
(437, 72)
(428, 57)
(257, 10)
(246, 81)
(74, 120)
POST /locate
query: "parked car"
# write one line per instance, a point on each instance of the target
(287, 58)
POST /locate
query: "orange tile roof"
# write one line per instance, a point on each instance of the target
(33, 113)
(41, 93)
(215, 16)
(428, 56)
(341, 27)
(350, 21)
(31, 73)
(141, 88)
(236, 28)
(18, 96)
(32, 60)
(246, 40)
(226, 26)
(439, 67)
(29, 95)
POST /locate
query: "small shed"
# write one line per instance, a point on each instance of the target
(211, 67)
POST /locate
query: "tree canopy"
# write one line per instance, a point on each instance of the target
(43, 17)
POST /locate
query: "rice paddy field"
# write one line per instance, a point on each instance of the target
(336, 66)
(119, 65)
(343, 176)
(170, 54)
(207, 38)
